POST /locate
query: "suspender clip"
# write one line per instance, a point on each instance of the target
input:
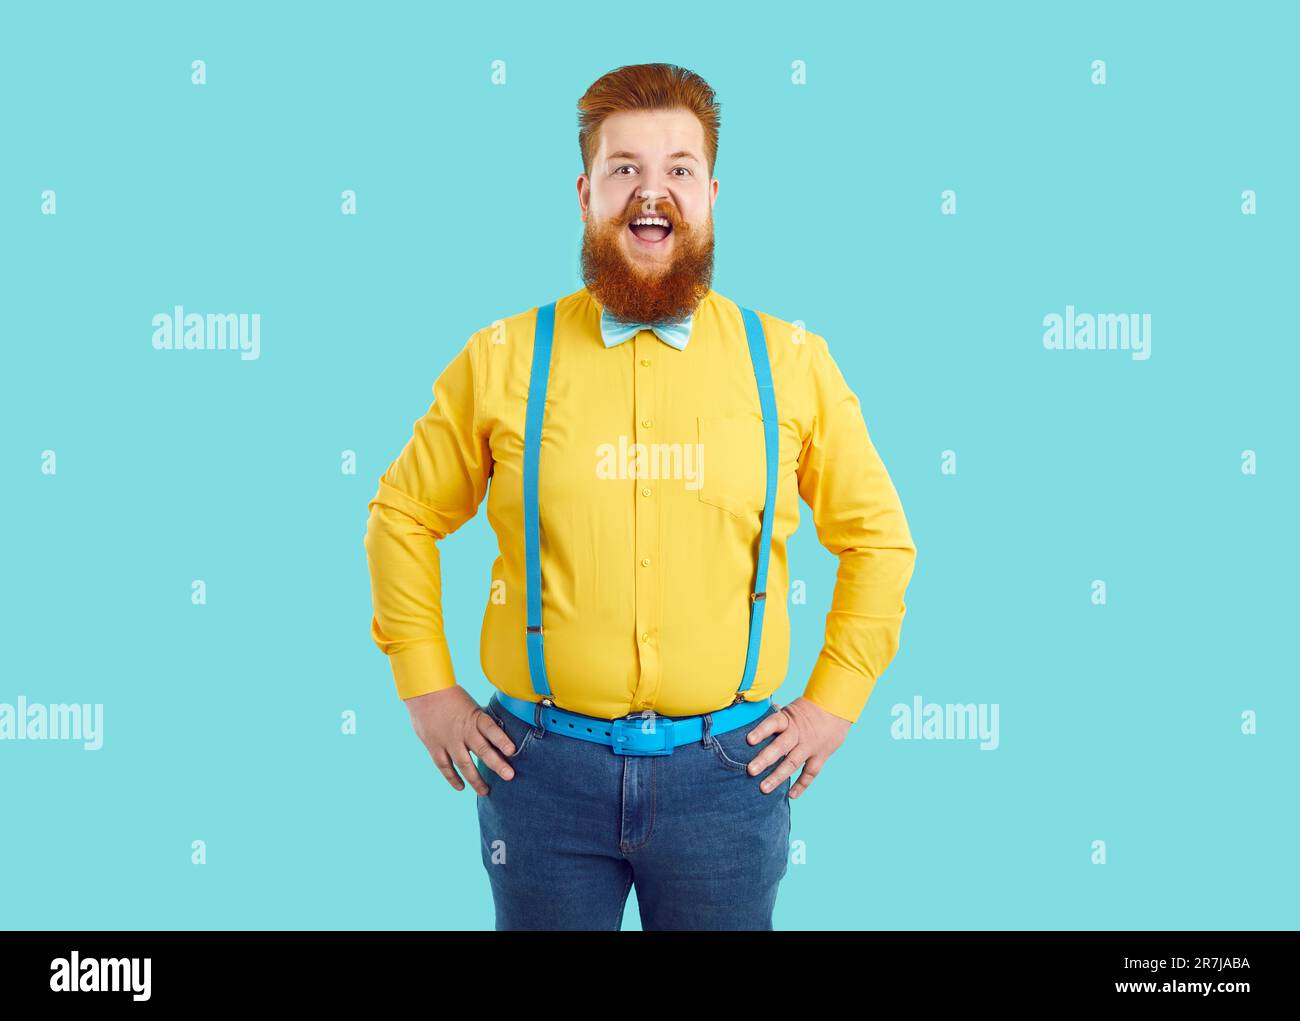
(756, 596)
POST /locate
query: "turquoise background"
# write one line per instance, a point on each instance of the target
(1119, 723)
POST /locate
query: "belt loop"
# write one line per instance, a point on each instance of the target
(707, 722)
(537, 720)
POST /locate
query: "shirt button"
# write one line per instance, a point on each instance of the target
(645, 561)
(645, 422)
(645, 361)
(645, 491)
(645, 636)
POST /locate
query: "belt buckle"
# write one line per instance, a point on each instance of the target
(629, 736)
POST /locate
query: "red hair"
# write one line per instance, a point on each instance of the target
(647, 87)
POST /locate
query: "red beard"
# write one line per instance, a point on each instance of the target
(641, 296)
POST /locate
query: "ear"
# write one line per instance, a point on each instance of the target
(584, 195)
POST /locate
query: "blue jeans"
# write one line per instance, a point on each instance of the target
(564, 840)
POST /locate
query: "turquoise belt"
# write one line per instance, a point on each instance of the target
(639, 734)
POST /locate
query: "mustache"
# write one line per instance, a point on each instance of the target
(655, 207)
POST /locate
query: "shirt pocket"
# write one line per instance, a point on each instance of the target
(731, 462)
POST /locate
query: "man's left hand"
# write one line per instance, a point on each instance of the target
(807, 735)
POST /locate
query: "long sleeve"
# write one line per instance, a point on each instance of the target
(858, 517)
(435, 485)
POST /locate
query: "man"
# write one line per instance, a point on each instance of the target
(648, 441)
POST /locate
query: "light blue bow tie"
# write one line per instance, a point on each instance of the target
(675, 333)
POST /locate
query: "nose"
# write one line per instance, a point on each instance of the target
(649, 198)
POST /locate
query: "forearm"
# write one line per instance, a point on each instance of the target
(406, 588)
(431, 489)
(863, 627)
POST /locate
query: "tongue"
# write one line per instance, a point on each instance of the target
(649, 232)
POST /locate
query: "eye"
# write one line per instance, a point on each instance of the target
(625, 166)
(687, 169)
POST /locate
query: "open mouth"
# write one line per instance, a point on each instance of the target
(651, 230)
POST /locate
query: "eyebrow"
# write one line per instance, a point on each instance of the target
(624, 154)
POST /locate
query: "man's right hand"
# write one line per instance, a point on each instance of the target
(451, 725)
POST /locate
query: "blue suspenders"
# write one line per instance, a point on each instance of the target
(767, 403)
(538, 379)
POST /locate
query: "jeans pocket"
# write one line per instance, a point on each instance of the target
(520, 733)
(732, 748)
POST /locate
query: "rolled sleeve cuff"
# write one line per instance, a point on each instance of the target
(422, 667)
(390, 496)
(838, 690)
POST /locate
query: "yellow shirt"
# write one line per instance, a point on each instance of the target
(645, 580)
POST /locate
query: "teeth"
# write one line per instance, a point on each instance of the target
(652, 221)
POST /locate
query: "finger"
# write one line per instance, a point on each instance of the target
(810, 770)
(466, 765)
(495, 733)
(787, 767)
(773, 723)
(491, 758)
(779, 747)
(443, 761)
